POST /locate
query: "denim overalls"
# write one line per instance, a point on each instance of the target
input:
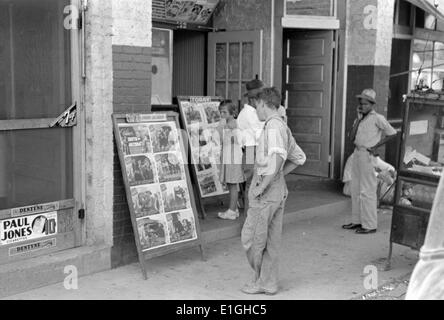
(262, 231)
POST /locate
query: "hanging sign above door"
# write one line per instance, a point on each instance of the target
(187, 11)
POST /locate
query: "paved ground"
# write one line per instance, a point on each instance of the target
(395, 290)
(319, 261)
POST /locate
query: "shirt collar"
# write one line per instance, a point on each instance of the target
(373, 112)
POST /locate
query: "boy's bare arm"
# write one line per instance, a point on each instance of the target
(278, 161)
(289, 167)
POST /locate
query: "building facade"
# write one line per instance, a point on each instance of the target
(121, 56)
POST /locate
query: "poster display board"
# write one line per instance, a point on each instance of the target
(157, 183)
(201, 118)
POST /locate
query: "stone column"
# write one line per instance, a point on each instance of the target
(369, 42)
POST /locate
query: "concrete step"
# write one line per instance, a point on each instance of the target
(36, 272)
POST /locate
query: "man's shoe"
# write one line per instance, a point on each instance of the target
(352, 226)
(365, 231)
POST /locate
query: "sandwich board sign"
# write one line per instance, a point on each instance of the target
(157, 184)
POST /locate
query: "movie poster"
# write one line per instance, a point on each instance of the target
(155, 171)
(201, 117)
(190, 11)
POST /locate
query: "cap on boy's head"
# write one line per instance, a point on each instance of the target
(271, 96)
(253, 87)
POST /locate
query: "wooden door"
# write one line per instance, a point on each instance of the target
(38, 206)
(234, 58)
(307, 86)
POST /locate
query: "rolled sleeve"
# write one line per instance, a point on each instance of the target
(383, 124)
(295, 153)
(276, 138)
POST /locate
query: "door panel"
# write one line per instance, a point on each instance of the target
(234, 58)
(308, 60)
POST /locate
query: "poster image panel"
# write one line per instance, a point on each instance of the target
(135, 139)
(169, 167)
(208, 184)
(175, 196)
(26, 228)
(140, 170)
(186, 10)
(164, 137)
(204, 15)
(205, 162)
(172, 8)
(146, 200)
(181, 226)
(213, 143)
(152, 232)
(193, 113)
(212, 112)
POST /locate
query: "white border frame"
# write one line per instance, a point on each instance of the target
(171, 48)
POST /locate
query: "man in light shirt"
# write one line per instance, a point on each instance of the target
(367, 137)
(250, 125)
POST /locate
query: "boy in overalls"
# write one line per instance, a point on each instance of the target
(261, 233)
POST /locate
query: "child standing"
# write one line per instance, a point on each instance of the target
(231, 172)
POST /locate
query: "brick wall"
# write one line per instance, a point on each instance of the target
(132, 78)
(131, 93)
(309, 7)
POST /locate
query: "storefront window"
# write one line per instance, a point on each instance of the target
(36, 167)
(34, 59)
(416, 195)
(422, 64)
(35, 83)
(162, 73)
(424, 142)
(428, 65)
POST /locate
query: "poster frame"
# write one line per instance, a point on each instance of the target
(137, 118)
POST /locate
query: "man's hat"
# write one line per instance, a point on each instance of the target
(368, 94)
(254, 87)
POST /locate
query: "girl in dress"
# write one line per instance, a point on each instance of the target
(231, 172)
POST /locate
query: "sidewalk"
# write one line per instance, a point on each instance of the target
(395, 290)
(319, 261)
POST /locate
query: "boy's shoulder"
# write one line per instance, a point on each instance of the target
(275, 123)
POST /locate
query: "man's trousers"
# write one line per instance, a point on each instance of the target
(363, 190)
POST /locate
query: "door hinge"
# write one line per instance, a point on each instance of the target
(329, 159)
(333, 45)
(82, 214)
